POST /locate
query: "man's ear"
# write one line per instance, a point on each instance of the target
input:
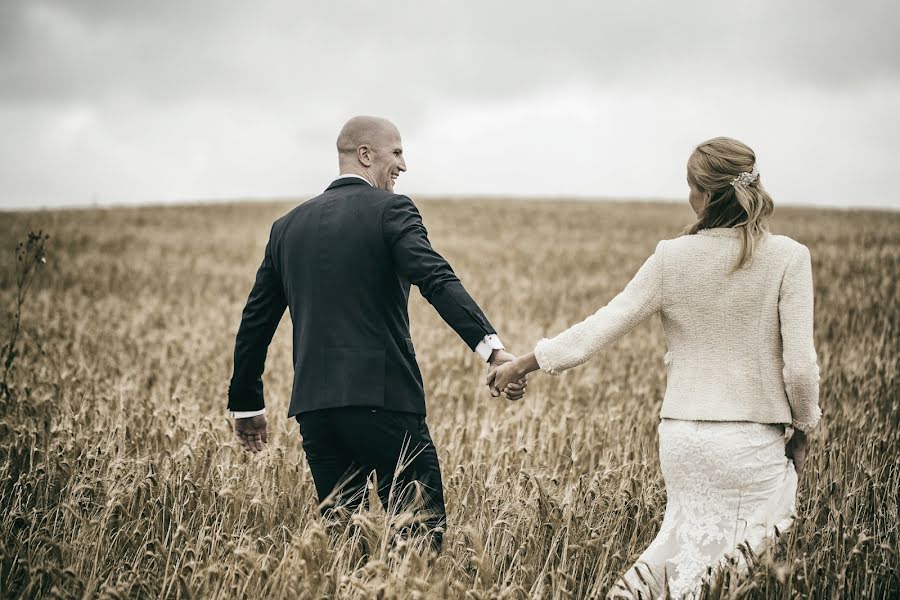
(364, 155)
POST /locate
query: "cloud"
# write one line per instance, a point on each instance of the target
(590, 141)
(168, 100)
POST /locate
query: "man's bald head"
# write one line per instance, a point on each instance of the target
(370, 147)
(364, 131)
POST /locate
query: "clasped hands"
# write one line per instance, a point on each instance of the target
(503, 377)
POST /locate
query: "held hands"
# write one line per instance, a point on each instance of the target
(251, 433)
(513, 387)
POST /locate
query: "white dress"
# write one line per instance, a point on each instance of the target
(729, 486)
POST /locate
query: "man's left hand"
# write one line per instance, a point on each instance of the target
(251, 432)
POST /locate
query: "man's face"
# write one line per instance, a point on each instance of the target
(387, 160)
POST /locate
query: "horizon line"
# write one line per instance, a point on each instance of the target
(491, 197)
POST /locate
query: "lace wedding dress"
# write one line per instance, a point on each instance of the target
(729, 486)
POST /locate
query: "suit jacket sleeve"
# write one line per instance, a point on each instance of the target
(417, 261)
(260, 319)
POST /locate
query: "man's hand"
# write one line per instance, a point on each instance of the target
(251, 433)
(795, 449)
(514, 390)
(506, 378)
(499, 357)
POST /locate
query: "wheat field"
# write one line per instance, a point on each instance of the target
(119, 478)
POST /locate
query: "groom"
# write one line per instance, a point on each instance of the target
(343, 263)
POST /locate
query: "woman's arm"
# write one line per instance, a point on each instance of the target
(795, 311)
(641, 298)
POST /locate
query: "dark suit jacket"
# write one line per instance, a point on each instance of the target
(343, 263)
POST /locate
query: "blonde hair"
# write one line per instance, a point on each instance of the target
(712, 168)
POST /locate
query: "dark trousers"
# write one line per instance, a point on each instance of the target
(345, 445)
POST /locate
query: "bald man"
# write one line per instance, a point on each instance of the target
(343, 263)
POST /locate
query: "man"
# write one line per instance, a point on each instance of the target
(343, 263)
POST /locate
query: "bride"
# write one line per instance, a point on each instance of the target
(736, 304)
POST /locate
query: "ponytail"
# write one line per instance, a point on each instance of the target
(726, 169)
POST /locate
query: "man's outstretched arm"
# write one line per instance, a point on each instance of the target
(421, 265)
(416, 260)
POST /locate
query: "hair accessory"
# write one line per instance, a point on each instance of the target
(745, 178)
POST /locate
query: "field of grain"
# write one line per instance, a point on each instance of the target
(119, 478)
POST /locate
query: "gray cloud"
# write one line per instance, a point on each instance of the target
(159, 51)
(200, 90)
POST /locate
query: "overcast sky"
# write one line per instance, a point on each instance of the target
(124, 102)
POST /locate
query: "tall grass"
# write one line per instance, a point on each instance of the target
(119, 479)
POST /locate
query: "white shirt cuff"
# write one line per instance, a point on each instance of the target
(486, 347)
(246, 414)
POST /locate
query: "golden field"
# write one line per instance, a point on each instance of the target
(119, 478)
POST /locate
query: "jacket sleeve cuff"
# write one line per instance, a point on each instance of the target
(246, 397)
(808, 423)
(543, 356)
(487, 345)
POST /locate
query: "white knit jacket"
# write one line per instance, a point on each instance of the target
(740, 345)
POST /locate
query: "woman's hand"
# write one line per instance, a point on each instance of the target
(795, 449)
(511, 377)
(507, 378)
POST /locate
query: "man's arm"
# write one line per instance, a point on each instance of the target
(260, 319)
(421, 265)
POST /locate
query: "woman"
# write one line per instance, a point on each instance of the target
(737, 308)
